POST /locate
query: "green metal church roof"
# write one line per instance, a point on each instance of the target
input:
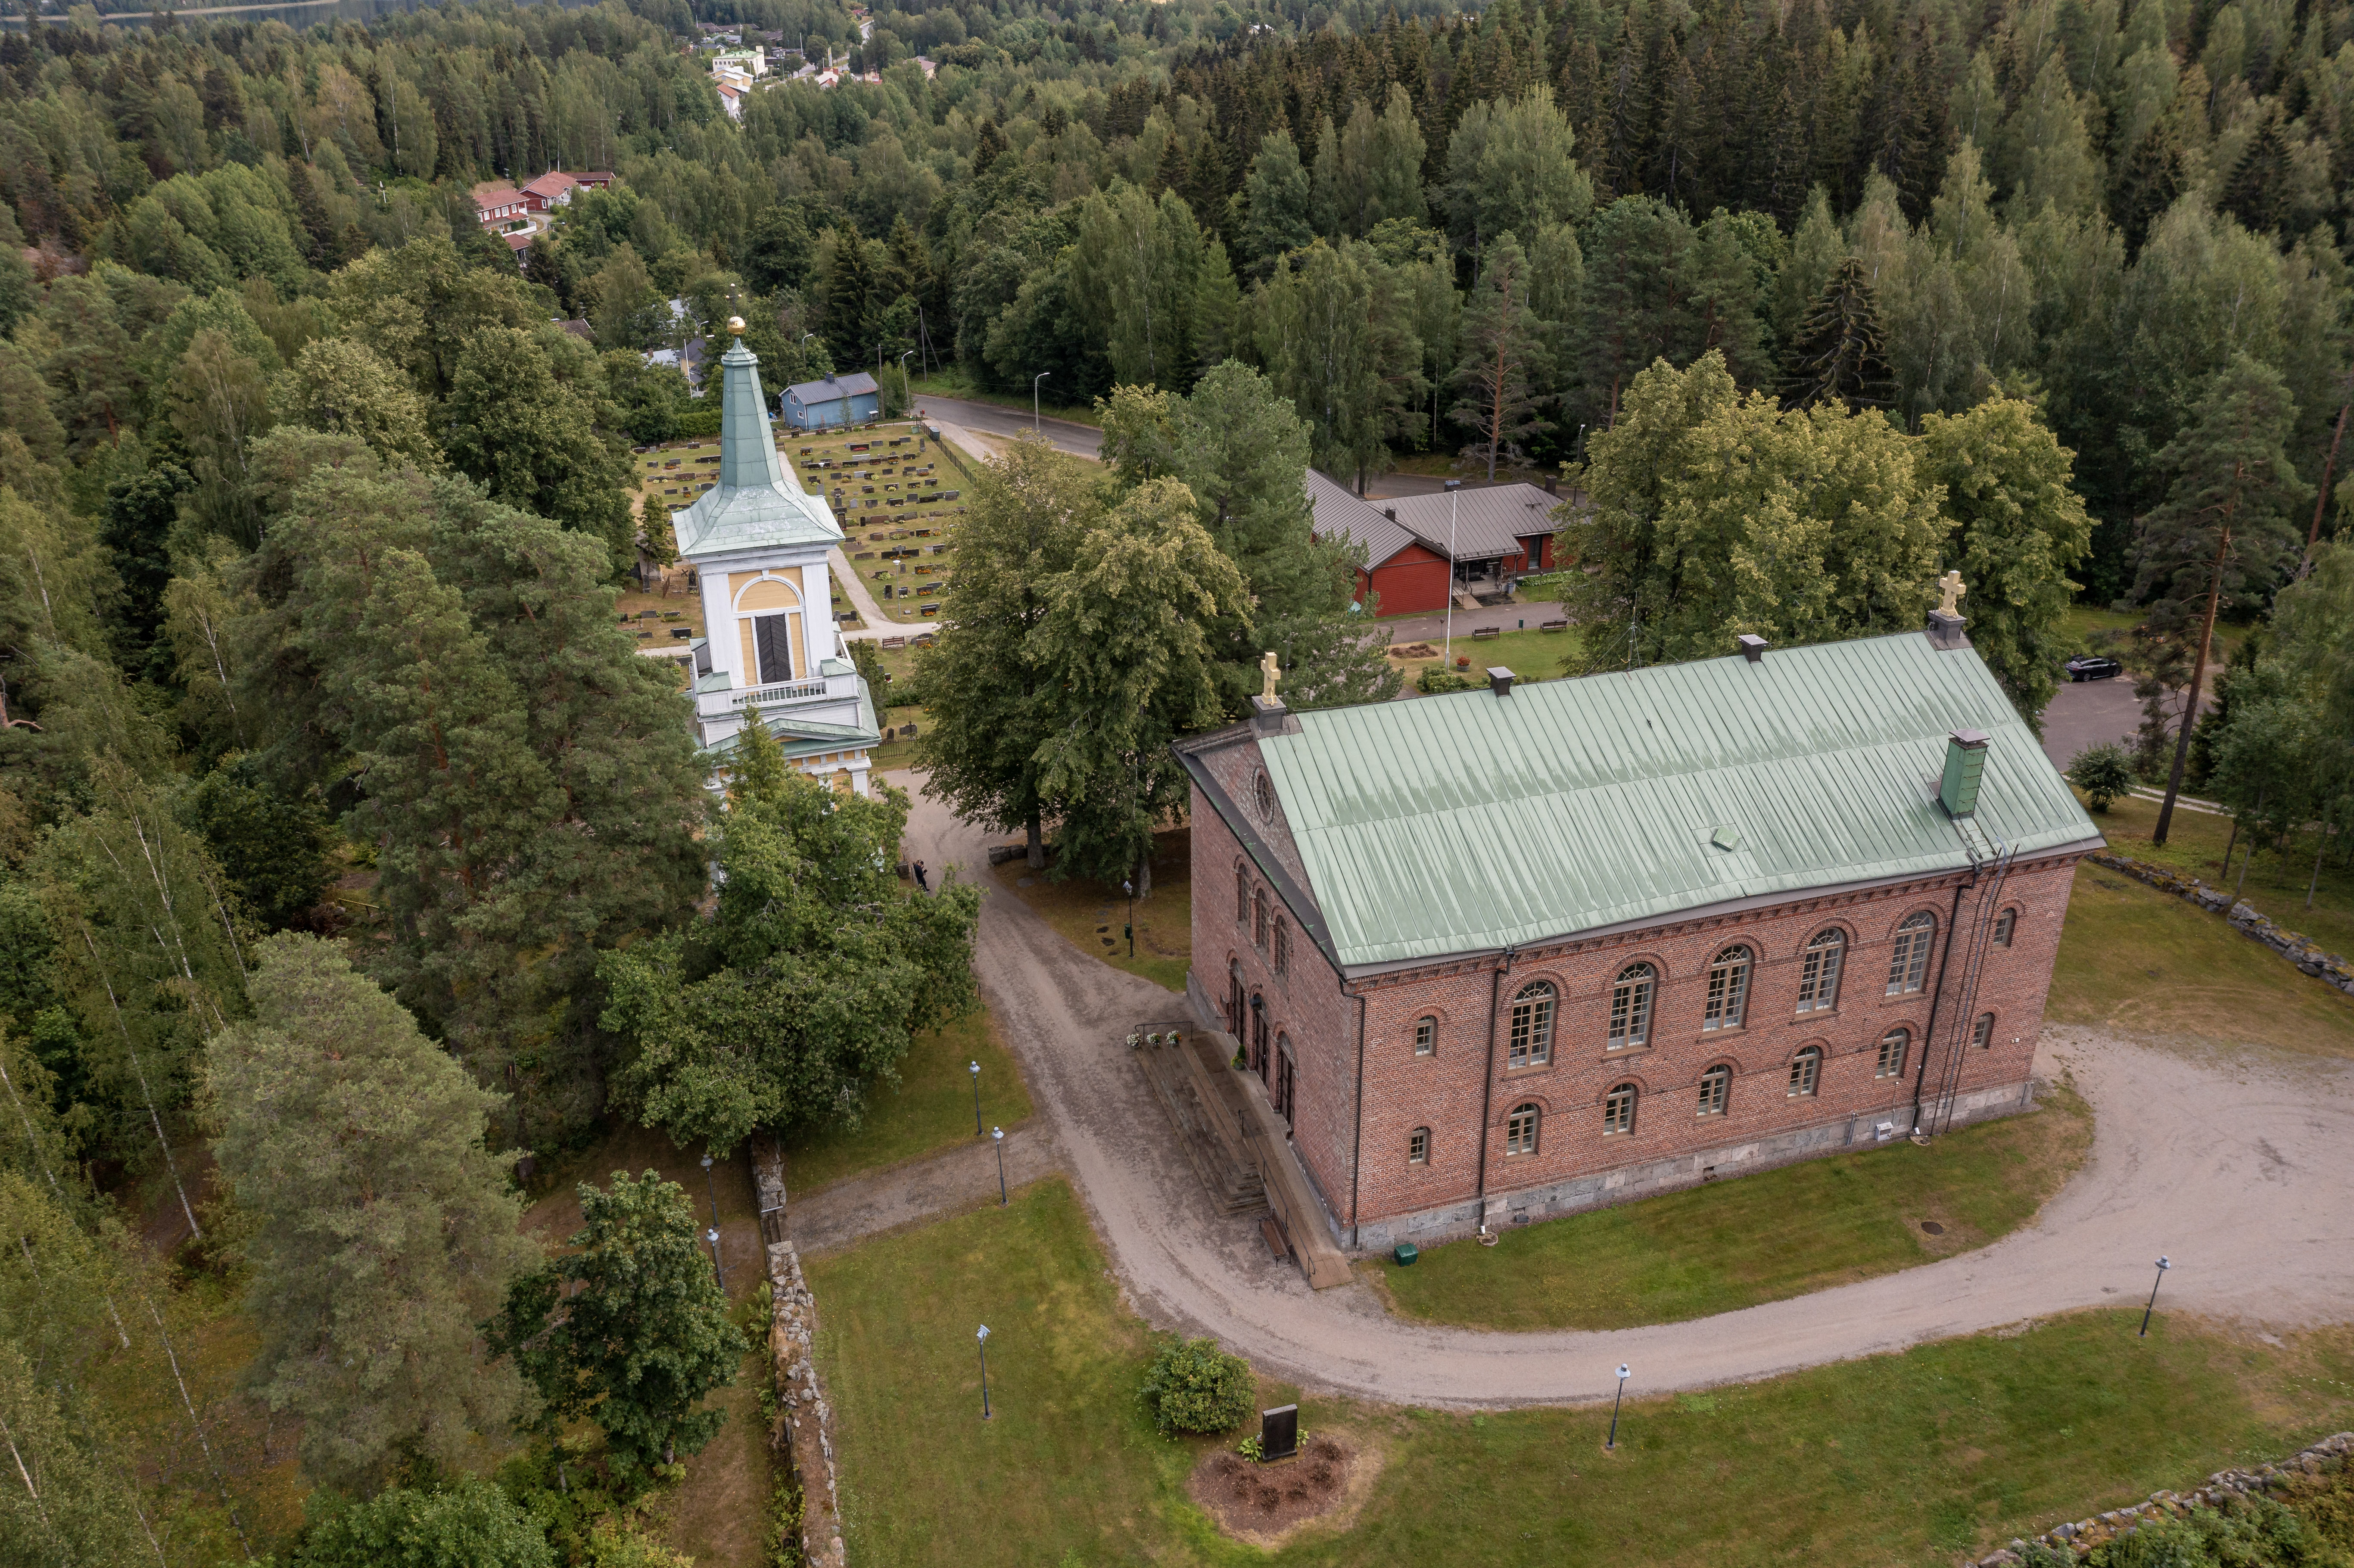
(1468, 823)
(758, 503)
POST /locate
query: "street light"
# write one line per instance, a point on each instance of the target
(712, 1235)
(903, 372)
(1452, 486)
(1129, 888)
(981, 1339)
(2162, 1267)
(999, 1134)
(1613, 1444)
(708, 1181)
(1033, 398)
(976, 1100)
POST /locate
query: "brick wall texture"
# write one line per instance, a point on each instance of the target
(1354, 1136)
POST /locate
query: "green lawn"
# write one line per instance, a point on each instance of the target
(930, 1109)
(1529, 654)
(1911, 1458)
(2135, 958)
(2277, 875)
(1778, 1233)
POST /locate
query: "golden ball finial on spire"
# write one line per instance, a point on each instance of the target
(735, 326)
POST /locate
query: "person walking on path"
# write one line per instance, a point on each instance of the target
(920, 881)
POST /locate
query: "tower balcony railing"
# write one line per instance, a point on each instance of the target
(782, 691)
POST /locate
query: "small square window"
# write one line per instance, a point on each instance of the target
(1417, 1147)
(1426, 1036)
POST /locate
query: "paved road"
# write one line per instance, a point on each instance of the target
(2234, 1168)
(987, 420)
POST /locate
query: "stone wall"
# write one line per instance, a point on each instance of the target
(2080, 1537)
(803, 1434)
(2297, 949)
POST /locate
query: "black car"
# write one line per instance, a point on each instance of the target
(2094, 667)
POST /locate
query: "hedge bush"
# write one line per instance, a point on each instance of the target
(1193, 1387)
(1437, 678)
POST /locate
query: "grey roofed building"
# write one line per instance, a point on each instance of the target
(857, 384)
(1489, 521)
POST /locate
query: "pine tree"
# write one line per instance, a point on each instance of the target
(2224, 529)
(383, 1229)
(2148, 182)
(1836, 354)
(1505, 364)
(2257, 191)
(629, 1327)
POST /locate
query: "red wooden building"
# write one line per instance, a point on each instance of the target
(1498, 532)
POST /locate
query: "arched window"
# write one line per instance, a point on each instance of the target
(1982, 1031)
(1530, 1043)
(1258, 919)
(1819, 980)
(1806, 1072)
(1894, 1046)
(1619, 1110)
(1910, 959)
(2004, 925)
(1242, 893)
(1417, 1147)
(1426, 1036)
(1521, 1130)
(1282, 945)
(1728, 989)
(1715, 1089)
(1630, 1006)
(1263, 797)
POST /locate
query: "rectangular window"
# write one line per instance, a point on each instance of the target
(1258, 920)
(1619, 1110)
(1728, 989)
(1716, 1085)
(1630, 1008)
(1803, 1070)
(1531, 1042)
(1242, 895)
(1521, 1131)
(1892, 1049)
(1417, 1147)
(1982, 1033)
(1426, 1036)
(1282, 946)
(772, 644)
(2004, 925)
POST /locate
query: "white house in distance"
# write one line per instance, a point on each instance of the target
(757, 543)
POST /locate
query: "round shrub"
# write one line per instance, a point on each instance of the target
(1193, 1387)
(2102, 772)
(1437, 678)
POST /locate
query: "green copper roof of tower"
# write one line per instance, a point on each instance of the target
(757, 504)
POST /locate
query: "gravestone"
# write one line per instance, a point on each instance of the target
(1278, 1433)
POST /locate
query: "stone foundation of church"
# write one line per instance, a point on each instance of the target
(1602, 1190)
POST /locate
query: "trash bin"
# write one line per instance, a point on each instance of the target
(1405, 1253)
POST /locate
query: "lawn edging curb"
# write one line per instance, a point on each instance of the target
(2325, 967)
(2079, 1538)
(804, 1432)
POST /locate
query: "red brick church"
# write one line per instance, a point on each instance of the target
(1512, 953)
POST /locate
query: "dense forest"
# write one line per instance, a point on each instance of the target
(313, 515)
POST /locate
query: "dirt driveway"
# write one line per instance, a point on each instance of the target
(2237, 1168)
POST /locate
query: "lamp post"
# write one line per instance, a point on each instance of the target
(1129, 888)
(2162, 1267)
(903, 374)
(976, 1100)
(1452, 486)
(997, 1133)
(1621, 1394)
(1034, 399)
(712, 1235)
(982, 1340)
(712, 1184)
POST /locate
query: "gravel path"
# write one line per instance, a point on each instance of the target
(949, 1181)
(2236, 1168)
